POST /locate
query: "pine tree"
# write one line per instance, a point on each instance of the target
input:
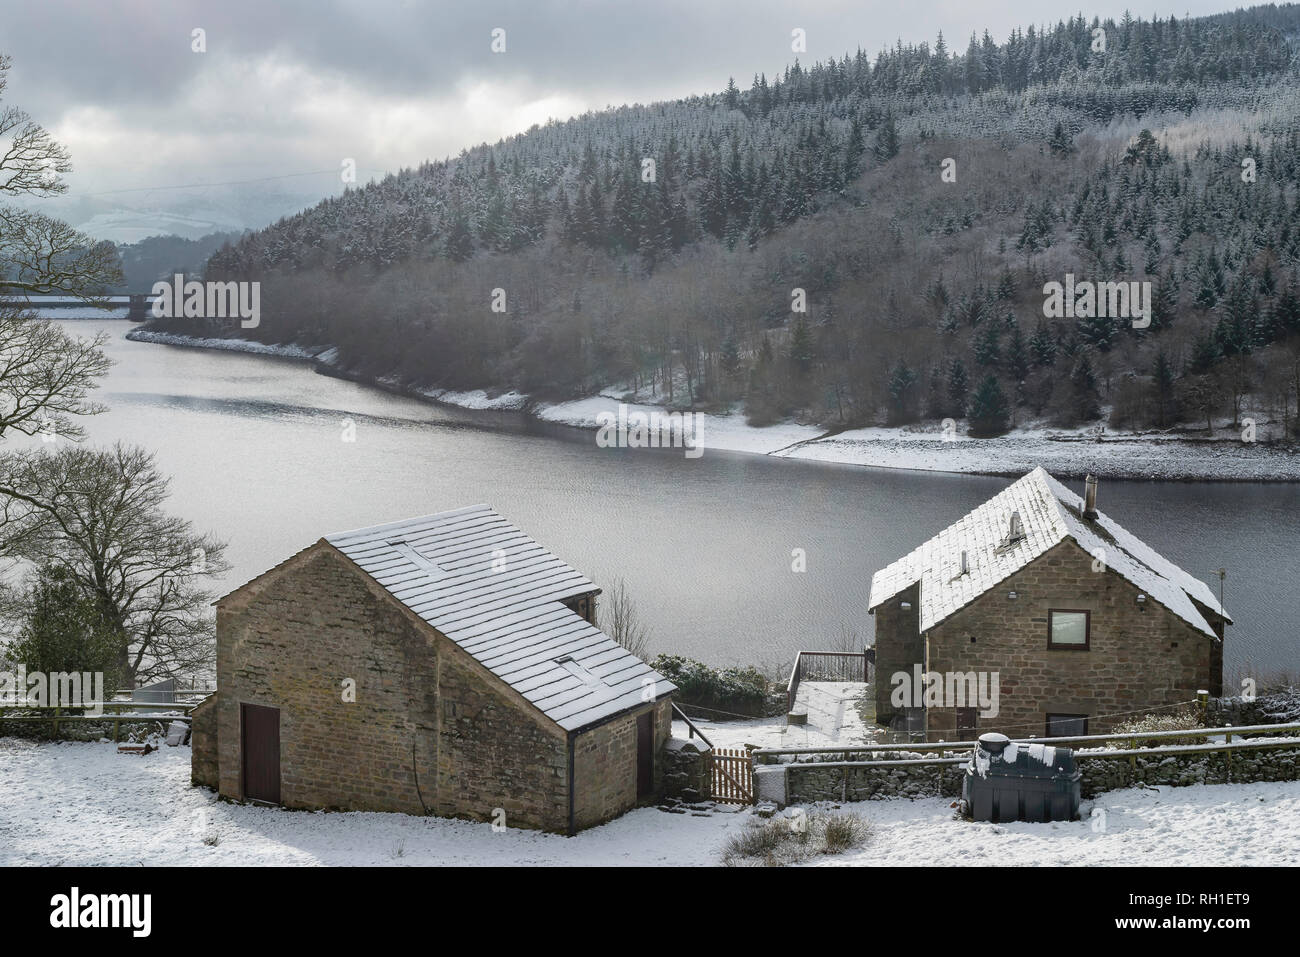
(460, 242)
(1085, 400)
(801, 346)
(887, 142)
(1017, 354)
(1060, 142)
(853, 152)
(1163, 387)
(958, 385)
(902, 382)
(989, 414)
(988, 349)
(1042, 347)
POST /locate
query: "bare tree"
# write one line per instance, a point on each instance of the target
(620, 620)
(99, 514)
(46, 374)
(38, 254)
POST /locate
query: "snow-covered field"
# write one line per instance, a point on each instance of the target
(86, 804)
(1064, 452)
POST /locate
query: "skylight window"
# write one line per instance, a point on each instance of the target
(578, 671)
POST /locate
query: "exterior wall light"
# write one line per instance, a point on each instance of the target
(1012, 595)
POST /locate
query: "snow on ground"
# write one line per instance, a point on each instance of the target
(86, 804)
(289, 351)
(1119, 455)
(833, 719)
(1065, 452)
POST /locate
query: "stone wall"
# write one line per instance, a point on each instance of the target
(811, 781)
(496, 752)
(429, 731)
(204, 770)
(808, 782)
(688, 775)
(1179, 770)
(1141, 656)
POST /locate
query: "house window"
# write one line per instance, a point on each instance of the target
(1069, 628)
(967, 724)
(1066, 725)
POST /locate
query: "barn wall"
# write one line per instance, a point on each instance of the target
(426, 732)
(494, 753)
(604, 765)
(203, 744)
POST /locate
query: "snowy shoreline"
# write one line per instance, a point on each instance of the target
(1063, 452)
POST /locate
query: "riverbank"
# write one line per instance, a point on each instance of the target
(1063, 452)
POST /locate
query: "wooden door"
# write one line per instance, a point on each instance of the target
(645, 754)
(260, 738)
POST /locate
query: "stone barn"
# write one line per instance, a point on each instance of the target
(1080, 624)
(445, 665)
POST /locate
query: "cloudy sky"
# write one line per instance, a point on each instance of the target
(289, 87)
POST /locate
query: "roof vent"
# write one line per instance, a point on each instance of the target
(1090, 497)
(965, 566)
(1015, 529)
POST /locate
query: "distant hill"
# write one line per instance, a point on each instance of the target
(924, 295)
(161, 257)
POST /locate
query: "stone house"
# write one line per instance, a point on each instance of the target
(1037, 596)
(445, 665)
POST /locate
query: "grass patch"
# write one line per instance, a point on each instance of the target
(794, 838)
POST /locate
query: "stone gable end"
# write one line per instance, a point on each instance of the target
(1141, 655)
(430, 730)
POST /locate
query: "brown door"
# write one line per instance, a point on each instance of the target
(645, 754)
(261, 749)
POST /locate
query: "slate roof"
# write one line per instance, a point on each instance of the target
(496, 593)
(1049, 513)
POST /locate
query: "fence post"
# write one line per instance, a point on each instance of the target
(56, 722)
(1203, 704)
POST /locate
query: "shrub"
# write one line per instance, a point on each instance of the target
(1177, 721)
(737, 690)
(780, 841)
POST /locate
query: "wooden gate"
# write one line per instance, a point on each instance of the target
(733, 776)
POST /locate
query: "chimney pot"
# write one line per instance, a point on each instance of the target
(1090, 497)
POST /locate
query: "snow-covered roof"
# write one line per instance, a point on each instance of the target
(496, 593)
(1049, 513)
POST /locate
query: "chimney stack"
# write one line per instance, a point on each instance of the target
(1090, 497)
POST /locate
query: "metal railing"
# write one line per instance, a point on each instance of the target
(825, 666)
(1129, 739)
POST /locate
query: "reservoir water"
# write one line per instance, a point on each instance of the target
(255, 447)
